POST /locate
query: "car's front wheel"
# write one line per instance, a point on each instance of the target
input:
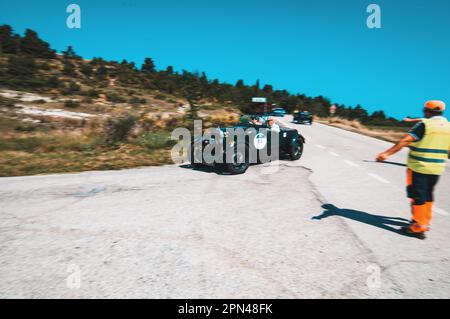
(240, 162)
(296, 151)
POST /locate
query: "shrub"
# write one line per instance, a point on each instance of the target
(21, 72)
(53, 82)
(93, 93)
(27, 144)
(155, 140)
(25, 128)
(71, 104)
(160, 97)
(135, 101)
(73, 87)
(114, 97)
(6, 102)
(69, 68)
(117, 130)
(86, 69)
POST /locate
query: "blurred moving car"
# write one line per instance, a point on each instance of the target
(258, 141)
(303, 117)
(280, 112)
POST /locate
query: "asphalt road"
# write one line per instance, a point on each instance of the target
(314, 228)
(365, 193)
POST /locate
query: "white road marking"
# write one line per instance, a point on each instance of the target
(378, 178)
(440, 211)
(351, 163)
(333, 153)
(320, 146)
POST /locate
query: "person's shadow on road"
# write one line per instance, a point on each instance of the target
(382, 222)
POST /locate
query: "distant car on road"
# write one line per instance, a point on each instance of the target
(257, 140)
(303, 117)
(280, 112)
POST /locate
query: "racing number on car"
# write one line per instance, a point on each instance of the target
(260, 141)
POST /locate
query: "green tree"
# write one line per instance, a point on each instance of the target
(70, 53)
(169, 70)
(8, 43)
(256, 88)
(97, 61)
(32, 45)
(240, 84)
(193, 94)
(148, 67)
(268, 89)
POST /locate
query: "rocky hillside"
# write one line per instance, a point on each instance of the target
(61, 113)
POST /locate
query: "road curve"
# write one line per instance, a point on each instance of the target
(315, 228)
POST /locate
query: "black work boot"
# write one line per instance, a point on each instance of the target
(410, 233)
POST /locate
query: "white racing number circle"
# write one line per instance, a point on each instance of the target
(260, 141)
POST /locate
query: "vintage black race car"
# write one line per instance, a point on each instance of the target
(304, 117)
(235, 154)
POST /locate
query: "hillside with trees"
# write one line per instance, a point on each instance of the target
(60, 112)
(24, 69)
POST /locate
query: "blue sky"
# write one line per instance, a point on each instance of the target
(317, 47)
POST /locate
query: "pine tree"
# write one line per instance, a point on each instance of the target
(268, 89)
(169, 70)
(70, 53)
(148, 66)
(31, 44)
(193, 94)
(240, 84)
(8, 43)
(256, 88)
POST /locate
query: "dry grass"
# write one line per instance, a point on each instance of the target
(39, 153)
(382, 133)
(15, 163)
(221, 118)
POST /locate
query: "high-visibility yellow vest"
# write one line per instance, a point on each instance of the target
(430, 154)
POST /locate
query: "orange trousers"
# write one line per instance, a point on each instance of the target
(420, 191)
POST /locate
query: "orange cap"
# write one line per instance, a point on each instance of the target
(435, 105)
